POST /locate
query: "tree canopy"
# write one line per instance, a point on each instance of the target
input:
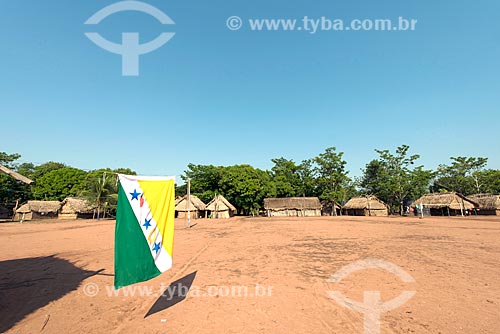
(394, 177)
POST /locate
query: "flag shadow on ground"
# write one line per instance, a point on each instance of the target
(175, 293)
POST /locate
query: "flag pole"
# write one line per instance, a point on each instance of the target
(189, 202)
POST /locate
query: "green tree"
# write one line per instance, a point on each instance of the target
(59, 184)
(286, 178)
(100, 188)
(331, 175)
(246, 187)
(307, 179)
(10, 188)
(489, 181)
(26, 169)
(393, 178)
(205, 180)
(462, 176)
(46, 168)
(8, 160)
(374, 179)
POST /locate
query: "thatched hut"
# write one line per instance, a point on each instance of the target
(38, 210)
(489, 204)
(443, 204)
(219, 207)
(195, 205)
(330, 208)
(367, 205)
(292, 207)
(75, 208)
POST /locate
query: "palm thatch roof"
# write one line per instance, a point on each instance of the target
(195, 204)
(368, 202)
(486, 201)
(220, 203)
(77, 205)
(15, 175)
(452, 200)
(40, 207)
(297, 203)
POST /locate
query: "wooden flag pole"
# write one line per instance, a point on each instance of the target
(189, 202)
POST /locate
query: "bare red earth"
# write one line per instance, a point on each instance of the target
(57, 277)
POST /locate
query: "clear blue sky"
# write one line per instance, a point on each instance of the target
(215, 96)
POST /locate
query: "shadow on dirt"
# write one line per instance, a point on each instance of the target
(175, 293)
(31, 283)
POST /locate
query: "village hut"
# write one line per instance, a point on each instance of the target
(443, 204)
(330, 208)
(292, 207)
(367, 205)
(489, 204)
(195, 205)
(75, 208)
(38, 210)
(219, 207)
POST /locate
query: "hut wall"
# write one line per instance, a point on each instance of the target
(294, 213)
(220, 214)
(50, 215)
(23, 216)
(488, 212)
(194, 214)
(89, 215)
(312, 213)
(377, 213)
(68, 215)
(36, 215)
(355, 212)
(330, 212)
(366, 212)
(76, 215)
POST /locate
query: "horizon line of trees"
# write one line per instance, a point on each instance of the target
(394, 177)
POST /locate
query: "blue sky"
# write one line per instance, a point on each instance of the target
(215, 96)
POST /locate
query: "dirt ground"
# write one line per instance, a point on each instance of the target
(255, 275)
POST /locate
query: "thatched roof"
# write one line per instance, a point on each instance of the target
(486, 201)
(76, 205)
(195, 205)
(368, 202)
(297, 203)
(219, 203)
(454, 201)
(15, 175)
(40, 207)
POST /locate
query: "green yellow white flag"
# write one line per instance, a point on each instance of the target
(144, 232)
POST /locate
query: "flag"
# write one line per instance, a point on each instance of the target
(144, 231)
